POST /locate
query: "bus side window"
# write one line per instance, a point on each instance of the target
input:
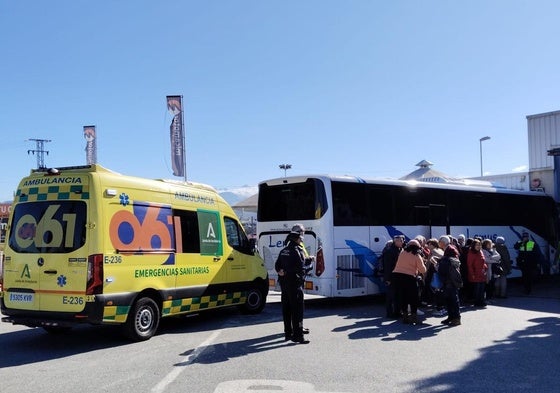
(349, 201)
(190, 238)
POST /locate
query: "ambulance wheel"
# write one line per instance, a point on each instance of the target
(256, 300)
(143, 320)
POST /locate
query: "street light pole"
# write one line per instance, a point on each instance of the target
(484, 138)
(285, 167)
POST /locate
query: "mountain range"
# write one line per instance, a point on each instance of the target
(234, 195)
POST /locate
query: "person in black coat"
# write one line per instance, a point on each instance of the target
(389, 258)
(528, 260)
(291, 268)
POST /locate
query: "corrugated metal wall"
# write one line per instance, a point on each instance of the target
(543, 134)
(516, 181)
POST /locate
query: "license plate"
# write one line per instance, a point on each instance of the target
(21, 297)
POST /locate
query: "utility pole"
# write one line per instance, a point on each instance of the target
(40, 151)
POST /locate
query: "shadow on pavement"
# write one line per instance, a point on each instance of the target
(526, 361)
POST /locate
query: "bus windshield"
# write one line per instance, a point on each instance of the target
(293, 201)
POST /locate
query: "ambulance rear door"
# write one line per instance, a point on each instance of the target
(47, 264)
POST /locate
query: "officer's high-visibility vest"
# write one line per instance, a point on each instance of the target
(305, 253)
(527, 246)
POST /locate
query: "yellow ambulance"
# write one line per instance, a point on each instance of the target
(88, 245)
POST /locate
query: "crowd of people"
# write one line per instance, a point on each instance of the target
(451, 272)
(443, 273)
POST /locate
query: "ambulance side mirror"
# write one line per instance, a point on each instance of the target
(252, 245)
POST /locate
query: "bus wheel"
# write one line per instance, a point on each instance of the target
(256, 300)
(143, 320)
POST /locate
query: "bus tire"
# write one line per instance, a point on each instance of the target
(256, 300)
(143, 320)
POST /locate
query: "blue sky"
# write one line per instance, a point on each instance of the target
(359, 87)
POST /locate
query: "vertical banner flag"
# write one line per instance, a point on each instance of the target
(5, 209)
(91, 144)
(175, 107)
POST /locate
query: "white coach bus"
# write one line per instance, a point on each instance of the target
(348, 221)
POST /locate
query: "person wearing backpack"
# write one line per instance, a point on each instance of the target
(437, 299)
(448, 270)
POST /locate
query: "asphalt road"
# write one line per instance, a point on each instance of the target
(511, 346)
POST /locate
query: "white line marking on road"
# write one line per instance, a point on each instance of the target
(169, 378)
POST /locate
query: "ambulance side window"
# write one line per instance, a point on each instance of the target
(189, 231)
(236, 236)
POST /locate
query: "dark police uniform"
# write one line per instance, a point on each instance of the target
(527, 260)
(291, 261)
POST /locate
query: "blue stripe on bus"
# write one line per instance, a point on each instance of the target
(368, 262)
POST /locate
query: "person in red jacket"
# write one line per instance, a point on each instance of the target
(477, 269)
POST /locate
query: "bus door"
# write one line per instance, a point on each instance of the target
(439, 224)
(434, 217)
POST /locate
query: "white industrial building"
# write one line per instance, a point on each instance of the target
(544, 152)
(543, 134)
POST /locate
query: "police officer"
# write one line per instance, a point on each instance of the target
(299, 228)
(528, 259)
(291, 269)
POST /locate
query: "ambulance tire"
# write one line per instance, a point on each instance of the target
(143, 320)
(256, 300)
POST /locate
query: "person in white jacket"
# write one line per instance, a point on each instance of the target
(491, 256)
(505, 262)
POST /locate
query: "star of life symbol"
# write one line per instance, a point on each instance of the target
(124, 199)
(61, 280)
